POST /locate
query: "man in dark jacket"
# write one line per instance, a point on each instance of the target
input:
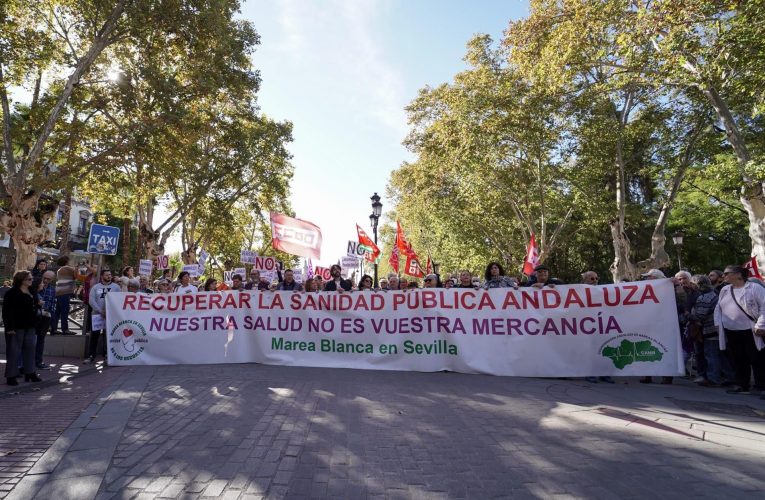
(289, 282)
(542, 278)
(337, 283)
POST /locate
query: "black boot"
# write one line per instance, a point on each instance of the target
(11, 381)
(32, 377)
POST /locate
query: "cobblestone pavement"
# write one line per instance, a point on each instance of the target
(33, 420)
(254, 431)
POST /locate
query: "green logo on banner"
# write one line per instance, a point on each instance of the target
(628, 352)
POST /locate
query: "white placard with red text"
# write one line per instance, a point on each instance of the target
(578, 330)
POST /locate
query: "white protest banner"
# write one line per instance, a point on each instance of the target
(228, 277)
(242, 272)
(144, 267)
(265, 264)
(201, 269)
(96, 322)
(192, 269)
(627, 329)
(163, 261)
(247, 256)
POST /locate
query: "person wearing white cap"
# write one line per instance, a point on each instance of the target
(653, 274)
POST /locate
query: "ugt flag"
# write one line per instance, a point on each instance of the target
(532, 257)
(751, 265)
(295, 236)
(393, 261)
(373, 252)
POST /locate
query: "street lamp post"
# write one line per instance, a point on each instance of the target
(374, 219)
(677, 239)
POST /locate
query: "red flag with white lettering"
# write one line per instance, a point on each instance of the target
(394, 256)
(366, 241)
(532, 257)
(295, 236)
(413, 267)
(403, 246)
(754, 271)
(429, 266)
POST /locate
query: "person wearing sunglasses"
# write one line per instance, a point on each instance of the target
(431, 281)
(740, 319)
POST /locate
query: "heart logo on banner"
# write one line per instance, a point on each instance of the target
(127, 332)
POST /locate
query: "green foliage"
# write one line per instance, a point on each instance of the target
(540, 124)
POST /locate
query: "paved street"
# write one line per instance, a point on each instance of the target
(254, 431)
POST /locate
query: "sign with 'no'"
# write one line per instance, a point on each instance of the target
(163, 261)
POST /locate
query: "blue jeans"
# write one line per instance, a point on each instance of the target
(718, 367)
(62, 311)
(21, 345)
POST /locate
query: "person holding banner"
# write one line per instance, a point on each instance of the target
(255, 282)
(740, 320)
(144, 284)
(495, 277)
(184, 283)
(289, 282)
(211, 285)
(393, 281)
(431, 281)
(164, 286)
(466, 279)
(237, 284)
(337, 283)
(366, 283)
(98, 305)
(311, 285)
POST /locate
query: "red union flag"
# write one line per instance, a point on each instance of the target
(532, 257)
(295, 236)
(751, 265)
(404, 246)
(366, 241)
(413, 267)
(393, 261)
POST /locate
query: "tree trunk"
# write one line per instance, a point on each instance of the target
(755, 208)
(21, 223)
(63, 246)
(752, 197)
(622, 268)
(125, 241)
(151, 244)
(659, 257)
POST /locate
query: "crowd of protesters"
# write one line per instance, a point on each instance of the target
(721, 314)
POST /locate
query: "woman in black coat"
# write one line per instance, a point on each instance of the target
(20, 318)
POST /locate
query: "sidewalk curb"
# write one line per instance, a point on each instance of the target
(94, 443)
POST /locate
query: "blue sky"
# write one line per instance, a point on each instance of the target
(342, 71)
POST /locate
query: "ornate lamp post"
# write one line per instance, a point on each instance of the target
(677, 239)
(374, 219)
